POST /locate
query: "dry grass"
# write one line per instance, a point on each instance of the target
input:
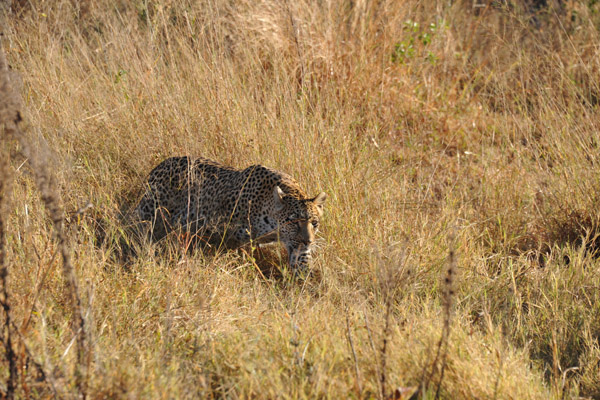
(435, 128)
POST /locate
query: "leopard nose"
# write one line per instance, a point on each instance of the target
(306, 234)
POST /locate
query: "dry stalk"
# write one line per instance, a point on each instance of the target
(168, 317)
(47, 187)
(10, 117)
(351, 343)
(447, 304)
(386, 334)
(500, 365)
(391, 276)
(36, 151)
(6, 331)
(372, 344)
(449, 293)
(46, 377)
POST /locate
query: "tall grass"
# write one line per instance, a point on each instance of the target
(37, 155)
(423, 122)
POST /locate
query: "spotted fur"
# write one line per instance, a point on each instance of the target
(223, 205)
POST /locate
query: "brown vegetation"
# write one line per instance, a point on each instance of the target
(457, 142)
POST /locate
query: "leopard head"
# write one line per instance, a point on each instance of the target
(298, 222)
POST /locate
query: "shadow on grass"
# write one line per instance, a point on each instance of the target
(126, 240)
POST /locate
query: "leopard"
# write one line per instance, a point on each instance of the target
(229, 207)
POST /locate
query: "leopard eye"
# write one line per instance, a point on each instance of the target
(315, 224)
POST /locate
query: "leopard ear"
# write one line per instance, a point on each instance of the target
(320, 201)
(278, 197)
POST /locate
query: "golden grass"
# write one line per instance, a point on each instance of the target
(433, 128)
